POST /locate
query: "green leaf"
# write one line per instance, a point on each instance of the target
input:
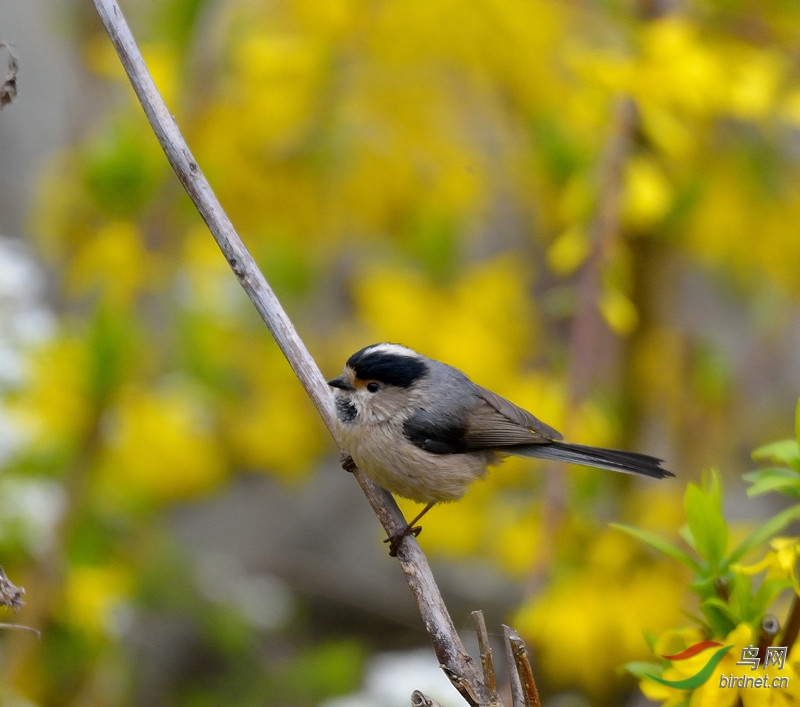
(781, 471)
(705, 584)
(740, 601)
(703, 508)
(719, 616)
(659, 544)
(641, 669)
(786, 451)
(772, 471)
(685, 532)
(764, 532)
(786, 481)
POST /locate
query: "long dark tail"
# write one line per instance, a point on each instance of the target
(613, 459)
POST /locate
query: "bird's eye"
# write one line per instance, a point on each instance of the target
(373, 387)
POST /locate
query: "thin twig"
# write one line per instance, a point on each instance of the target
(489, 676)
(8, 87)
(448, 647)
(420, 699)
(523, 667)
(11, 597)
(21, 627)
(770, 626)
(10, 594)
(517, 694)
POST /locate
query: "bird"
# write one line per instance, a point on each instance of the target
(421, 429)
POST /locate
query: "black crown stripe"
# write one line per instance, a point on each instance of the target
(393, 369)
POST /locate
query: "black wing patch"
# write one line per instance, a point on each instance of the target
(434, 434)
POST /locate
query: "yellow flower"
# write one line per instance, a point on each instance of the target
(92, 594)
(160, 448)
(114, 260)
(56, 405)
(779, 563)
(619, 311)
(648, 193)
(568, 251)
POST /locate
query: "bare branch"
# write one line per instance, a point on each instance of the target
(10, 594)
(419, 699)
(770, 626)
(519, 654)
(21, 627)
(11, 597)
(489, 675)
(8, 89)
(517, 695)
(456, 663)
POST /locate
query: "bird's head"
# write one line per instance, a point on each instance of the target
(378, 382)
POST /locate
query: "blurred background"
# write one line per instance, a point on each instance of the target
(591, 208)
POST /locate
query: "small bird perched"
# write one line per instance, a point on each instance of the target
(424, 431)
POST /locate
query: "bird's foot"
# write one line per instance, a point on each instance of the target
(397, 539)
(347, 463)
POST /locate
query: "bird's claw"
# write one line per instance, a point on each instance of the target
(397, 539)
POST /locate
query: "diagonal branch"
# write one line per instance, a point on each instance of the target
(455, 661)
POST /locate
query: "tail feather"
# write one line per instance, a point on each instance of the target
(613, 459)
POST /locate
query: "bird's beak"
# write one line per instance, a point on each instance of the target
(340, 383)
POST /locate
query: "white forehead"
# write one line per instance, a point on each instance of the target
(394, 349)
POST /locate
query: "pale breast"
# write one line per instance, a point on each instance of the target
(407, 470)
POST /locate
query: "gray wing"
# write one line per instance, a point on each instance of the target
(497, 422)
(486, 420)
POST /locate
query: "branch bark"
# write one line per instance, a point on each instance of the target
(522, 665)
(487, 662)
(452, 656)
(8, 88)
